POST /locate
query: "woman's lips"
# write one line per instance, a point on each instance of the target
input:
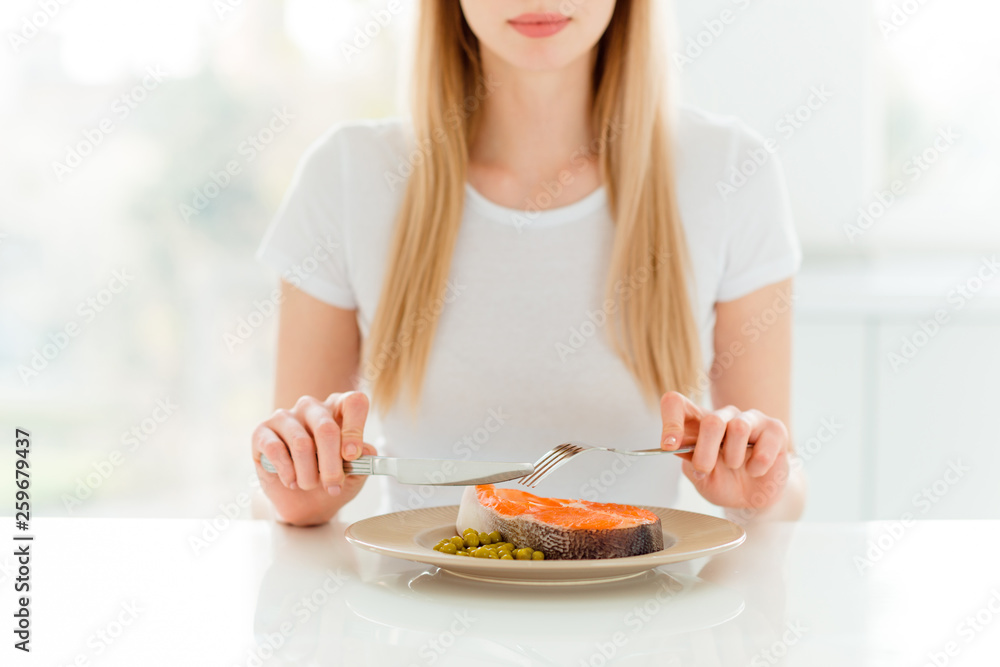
(539, 25)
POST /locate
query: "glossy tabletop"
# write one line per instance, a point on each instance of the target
(180, 592)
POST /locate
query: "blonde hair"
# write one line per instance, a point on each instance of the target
(653, 328)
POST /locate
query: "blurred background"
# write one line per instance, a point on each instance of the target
(137, 330)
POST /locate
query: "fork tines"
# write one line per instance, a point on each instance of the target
(549, 462)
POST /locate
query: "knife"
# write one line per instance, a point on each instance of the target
(430, 472)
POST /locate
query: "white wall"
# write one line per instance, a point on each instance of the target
(898, 430)
(763, 65)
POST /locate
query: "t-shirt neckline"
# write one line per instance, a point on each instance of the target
(528, 218)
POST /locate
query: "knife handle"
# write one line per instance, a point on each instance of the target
(360, 466)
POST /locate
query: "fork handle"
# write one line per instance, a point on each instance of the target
(642, 452)
(360, 466)
(682, 450)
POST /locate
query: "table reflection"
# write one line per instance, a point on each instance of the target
(321, 601)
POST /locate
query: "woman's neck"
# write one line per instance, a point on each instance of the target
(534, 125)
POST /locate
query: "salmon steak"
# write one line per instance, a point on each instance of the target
(563, 529)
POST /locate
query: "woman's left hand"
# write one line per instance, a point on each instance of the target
(723, 469)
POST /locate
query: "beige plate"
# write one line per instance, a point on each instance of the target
(412, 534)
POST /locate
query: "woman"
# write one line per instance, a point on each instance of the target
(542, 253)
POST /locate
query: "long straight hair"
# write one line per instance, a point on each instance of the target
(652, 327)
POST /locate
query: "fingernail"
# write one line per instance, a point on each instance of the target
(333, 489)
(292, 485)
(699, 475)
(670, 441)
(351, 451)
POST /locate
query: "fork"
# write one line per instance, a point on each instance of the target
(558, 456)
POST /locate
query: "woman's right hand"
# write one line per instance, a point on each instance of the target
(309, 444)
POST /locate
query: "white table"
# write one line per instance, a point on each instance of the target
(134, 592)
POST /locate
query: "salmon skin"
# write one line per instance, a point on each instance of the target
(563, 529)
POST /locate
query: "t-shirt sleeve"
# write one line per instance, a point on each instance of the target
(762, 247)
(306, 242)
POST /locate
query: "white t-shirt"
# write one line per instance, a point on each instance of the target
(520, 362)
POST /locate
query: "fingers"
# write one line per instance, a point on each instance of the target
(675, 410)
(308, 444)
(772, 441)
(327, 435)
(267, 442)
(742, 429)
(301, 446)
(710, 435)
(351, 411)
(353, 481)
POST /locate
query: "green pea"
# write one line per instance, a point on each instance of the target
(495, 536)
(437, 547)
(523, 554)
(481, 553)
(538, 555)
(448, 549)
(471, 540)
(457, 541)
(462, 553)
(484, 538)
(493, 556)
(506, 556)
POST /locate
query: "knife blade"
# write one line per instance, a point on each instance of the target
(431, 472)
